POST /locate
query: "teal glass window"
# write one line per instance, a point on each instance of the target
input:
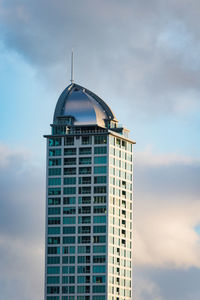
(84, 220)
(53, 279)
(100, 199)
(83, 279)
(53, 260)
(100, 189)
(99, 249)
(54, 240)
(69, 141)
(100, 150)
(84, 180)
(99, 229)
(99, 239)
(83, 269)
(99, 269)
(69, 200)
(54, 220)
(54, 201)
(55, 152)
(99, 209)
(54, 210)
(99, 279)
(100, 170)
(70, 161)
(99, 259)
(84, 259)
(98, 289)
(85, 150)
(84, 170)
(68, 269)
(100, 139)
(69, 230)
(69, 180)
(69, 210)
(70, 151)
(53, 250)
(69, 191)
(53, 230)
(98, 297)
(99, 219)
(86, 140)
(53, 270)
(84, 229)
(54, 181)
(84, 190)
(54, 191)
(69, 249)
(84, 210)
(85, 160)
(54, 171)
(69, 220)
(54, 142)
(53, 298)
(53, 290)
(54, 162)
(100, 179)
(84, 200)
(69, 171)
(68, 260)
(83, 249)
(100, 160)
(84, 239)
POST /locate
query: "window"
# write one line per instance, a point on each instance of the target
(99, 209)
(99, 219)
(84, 220)
(82, 289)
(84, 200)
(97, 239)
(70, 151)
(68, 270)
(69, 230)
(69, 190)
(99, 189)
(54, 142)
(99, 259)
(68, 279)
(69, 180)
(100, 139)
(70, 161)
(69, 220)
(84, 210)
(53, 260)
(84, 229)
(53, 290)
(83, 279)
(84, 190)
(84, 239)
(84, 170)
(53, 279)
(84, 180)
(53, 250)
(54, 191)
(83, 269)
(69, 171)
(100, 179)
(69, 200)
(100, 298)
(99, 279)
(99, 249)
(54, 181)
(84, 160)
(53, 240)
(55, 152)
(86, 140)
(99, 269)
(54, 171)
(99, 289)
(54, 201)
(83, 259)
(54, 162)
(100, 159)
(69, 240)
(68, 141)
(53, 230)
(69, 210)
(54, 220)
(100, 150)
(83, 249)
(68, 249)
(99, 229)
(85, 150)
(53, 270)
(100, 199)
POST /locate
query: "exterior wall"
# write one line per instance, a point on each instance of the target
(105, 251)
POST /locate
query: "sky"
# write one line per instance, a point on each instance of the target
(142, 58)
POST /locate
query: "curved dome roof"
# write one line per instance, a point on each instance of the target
(82, 104)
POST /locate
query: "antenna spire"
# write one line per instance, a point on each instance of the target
(72, 67)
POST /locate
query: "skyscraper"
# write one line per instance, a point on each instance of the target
(88, 202)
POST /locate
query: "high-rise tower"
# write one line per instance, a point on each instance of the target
(88, 202)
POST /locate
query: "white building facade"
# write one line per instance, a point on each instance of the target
(89, 199)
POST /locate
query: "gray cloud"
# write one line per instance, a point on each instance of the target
(142, 51)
